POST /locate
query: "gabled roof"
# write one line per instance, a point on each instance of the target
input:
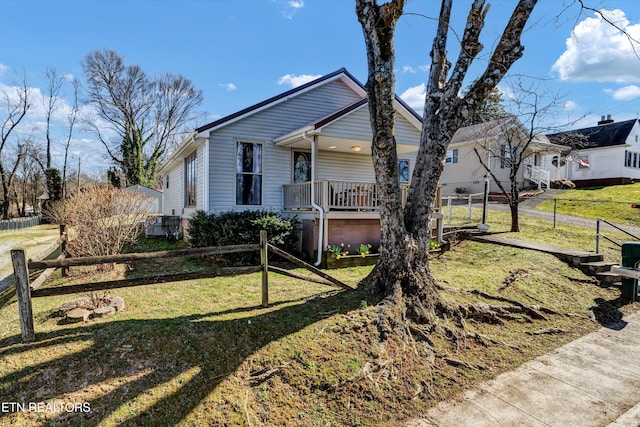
(494, 128)
(281, 97)
(608, 135)
(484, 130)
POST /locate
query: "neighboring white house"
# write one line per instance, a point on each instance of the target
(606, 154)
(464, 173)
(306, 151)
(151, 193)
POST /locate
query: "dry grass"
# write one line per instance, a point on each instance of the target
(205, 353)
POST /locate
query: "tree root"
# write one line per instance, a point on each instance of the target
(549, 331)
(262, 375)
(512, 277)
(373, 372)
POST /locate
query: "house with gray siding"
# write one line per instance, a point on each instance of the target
(304, 152)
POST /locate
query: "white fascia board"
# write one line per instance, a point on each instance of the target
(291, 137)
(186, 144)
(410, 117)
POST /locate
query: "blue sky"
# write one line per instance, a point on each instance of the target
(240, 52)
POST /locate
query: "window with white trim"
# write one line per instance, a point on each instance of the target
(189, 181)
(403, 171)
(452, 156)
(505, 157)
(248, 173)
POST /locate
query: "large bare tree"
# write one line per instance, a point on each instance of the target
(402, 273)
(16, 102)
(143, 113)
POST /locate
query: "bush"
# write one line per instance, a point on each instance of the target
(100, 220)
(242, 227)
(563, 184)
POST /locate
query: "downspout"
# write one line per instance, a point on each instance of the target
(314, 205)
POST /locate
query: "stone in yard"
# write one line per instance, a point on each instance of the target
(117, 302)
(78, 315)
(104, 311)
(64, 308)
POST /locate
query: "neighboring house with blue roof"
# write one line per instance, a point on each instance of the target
(306, 152)
(606, 154)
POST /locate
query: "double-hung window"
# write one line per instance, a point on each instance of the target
(452, 156)
(248, 173)
(189, 181)
(505, 157)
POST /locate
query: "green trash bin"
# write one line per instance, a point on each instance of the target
(630, 258)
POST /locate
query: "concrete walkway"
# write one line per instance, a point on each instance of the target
(593, 381)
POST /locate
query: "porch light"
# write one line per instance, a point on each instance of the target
(332, 147)
(356, 148)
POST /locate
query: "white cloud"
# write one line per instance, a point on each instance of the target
(415, 96)
(3, 69)
(295, 81)
(292, 7)
(626, 93)
(597, 51)
(229, 87)
(569, 105)
(408, 69)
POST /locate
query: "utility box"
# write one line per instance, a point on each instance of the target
(631, 259)
(163, 226)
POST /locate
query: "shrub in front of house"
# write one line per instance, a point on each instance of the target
(243, 227)
(563, 184)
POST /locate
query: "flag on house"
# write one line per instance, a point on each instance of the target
(570, 159)
(584, 162)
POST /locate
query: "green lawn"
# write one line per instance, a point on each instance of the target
(204, 352)
(609, 203)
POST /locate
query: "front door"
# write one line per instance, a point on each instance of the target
(301, 166)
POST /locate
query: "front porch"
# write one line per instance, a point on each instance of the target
(349, 213)
(335, 196)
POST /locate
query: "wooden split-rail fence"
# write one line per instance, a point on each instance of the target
(26, 290)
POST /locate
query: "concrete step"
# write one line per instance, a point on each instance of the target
(608, 277)
(593, 267)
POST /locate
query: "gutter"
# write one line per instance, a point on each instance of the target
(314, 205)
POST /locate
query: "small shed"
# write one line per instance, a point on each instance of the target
(149, 192)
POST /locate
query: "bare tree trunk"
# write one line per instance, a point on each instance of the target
(402, 273)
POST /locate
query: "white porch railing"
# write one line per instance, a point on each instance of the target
(537, 175)
(335, 195)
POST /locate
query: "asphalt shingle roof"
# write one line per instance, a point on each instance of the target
(596, 136)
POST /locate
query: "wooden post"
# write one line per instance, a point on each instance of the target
(23, 292)
(63, 248)
(264, 258)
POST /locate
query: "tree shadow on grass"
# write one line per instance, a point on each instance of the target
(193, 354)
(608, 314)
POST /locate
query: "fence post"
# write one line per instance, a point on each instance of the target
(264, 258)
(598, 235)
(23, 292)
(469, 212)
(449, 209)
(555, 205)
(63, 248)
